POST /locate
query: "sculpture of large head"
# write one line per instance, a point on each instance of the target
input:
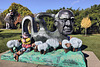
(64, 21)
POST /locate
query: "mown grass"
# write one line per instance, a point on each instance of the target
(91, 42)
(6, 35)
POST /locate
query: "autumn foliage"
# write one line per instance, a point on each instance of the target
(86, 22)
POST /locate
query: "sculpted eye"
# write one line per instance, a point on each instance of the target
(62, 21)
(72, 17)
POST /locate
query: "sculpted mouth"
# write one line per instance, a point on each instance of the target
(67, 29)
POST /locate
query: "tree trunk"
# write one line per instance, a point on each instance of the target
(85, 31)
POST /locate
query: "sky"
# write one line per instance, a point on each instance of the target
(37, 6)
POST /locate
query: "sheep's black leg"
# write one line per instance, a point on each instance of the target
(73, 49)
(76, 49)
(11, 49)
(17, 58)
(66, 50)
(44, 52)
(55, 49)
(35, 50)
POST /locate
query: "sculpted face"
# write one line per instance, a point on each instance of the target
(65, 22)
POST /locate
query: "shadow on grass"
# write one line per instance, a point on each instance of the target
(83, 47)
(1, 30)
(7, 35)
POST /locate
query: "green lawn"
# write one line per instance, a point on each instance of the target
(92, 41)
(6, 35)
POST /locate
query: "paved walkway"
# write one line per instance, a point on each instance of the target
(91, 60)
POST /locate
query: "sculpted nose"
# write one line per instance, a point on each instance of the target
(66, 27)
(67, 22)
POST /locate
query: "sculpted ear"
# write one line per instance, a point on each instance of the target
(56, 19)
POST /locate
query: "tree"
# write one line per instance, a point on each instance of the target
(86, 23)
(17, 9)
